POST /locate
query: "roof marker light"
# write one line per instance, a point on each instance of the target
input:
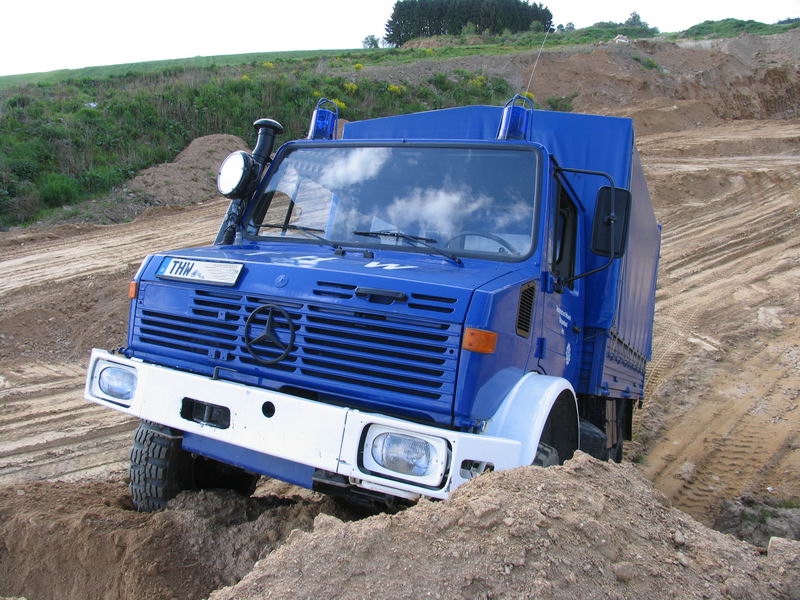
(323, 121)
(514, 124)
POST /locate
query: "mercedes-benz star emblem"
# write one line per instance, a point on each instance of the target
(269, 336)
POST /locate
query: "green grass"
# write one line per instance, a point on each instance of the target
(561, 103)
(734, 27)
(68, 141)
(159, 66)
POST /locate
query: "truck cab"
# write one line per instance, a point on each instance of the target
(395, 306)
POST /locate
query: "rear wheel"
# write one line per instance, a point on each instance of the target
(615, 452)
(160, 469)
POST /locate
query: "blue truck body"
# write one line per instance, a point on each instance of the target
(402, 353)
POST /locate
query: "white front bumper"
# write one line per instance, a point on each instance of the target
(304, 431)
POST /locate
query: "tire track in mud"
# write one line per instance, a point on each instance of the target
(727, 306)
(105, 248)
(51, 432)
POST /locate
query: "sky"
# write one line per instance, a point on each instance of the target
(46, 35)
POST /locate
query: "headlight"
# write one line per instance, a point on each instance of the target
(234, 174)
(411, 456)
(403, 453)
(115, 381)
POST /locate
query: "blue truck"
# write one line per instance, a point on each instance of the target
(394, 306)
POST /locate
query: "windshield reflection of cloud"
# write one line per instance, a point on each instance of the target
(518, 212)
(432, 209)
(355, 166)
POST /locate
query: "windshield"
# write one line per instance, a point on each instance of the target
(468, 201)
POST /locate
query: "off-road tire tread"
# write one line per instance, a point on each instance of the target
(159, 467)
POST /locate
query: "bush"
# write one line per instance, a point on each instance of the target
(55, 189)
(561, 103)
(100, 179)
(647, 63)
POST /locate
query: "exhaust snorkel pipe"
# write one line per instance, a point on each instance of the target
(239, 175)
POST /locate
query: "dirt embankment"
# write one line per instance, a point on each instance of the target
(723, 415)
(75, 541)
(586, 530)
(665, 86)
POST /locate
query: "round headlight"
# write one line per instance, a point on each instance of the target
(234, 174)
(117, 382)
(403, 453)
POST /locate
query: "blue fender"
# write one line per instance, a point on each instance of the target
(524, 411)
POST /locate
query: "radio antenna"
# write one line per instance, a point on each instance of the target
(530, 80)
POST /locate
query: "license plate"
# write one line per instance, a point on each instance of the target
(216, 273)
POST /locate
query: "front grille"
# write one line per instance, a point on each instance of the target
(426, 302)
(339, 349)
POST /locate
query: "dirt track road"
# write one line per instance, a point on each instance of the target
(724, 384)
(56, 284)
(722, 416)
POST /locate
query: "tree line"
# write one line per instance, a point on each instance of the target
(423, 18)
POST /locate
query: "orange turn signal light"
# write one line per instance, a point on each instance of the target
(133, 290)
(479, 340)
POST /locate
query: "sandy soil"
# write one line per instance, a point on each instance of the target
(723, 385)
(721, 417)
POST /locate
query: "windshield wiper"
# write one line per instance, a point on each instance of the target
(427, 242)
(312, 231)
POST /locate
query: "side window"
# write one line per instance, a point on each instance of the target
(564, 237)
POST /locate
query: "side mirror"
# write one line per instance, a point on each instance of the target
(611, 215)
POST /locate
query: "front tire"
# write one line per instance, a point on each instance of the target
(160, 469)
(559, 438)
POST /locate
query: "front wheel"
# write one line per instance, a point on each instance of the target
(559, 438)
(160, 469)
(546, 456)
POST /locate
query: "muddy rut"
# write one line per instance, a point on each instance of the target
(723, 385)
(61, 293)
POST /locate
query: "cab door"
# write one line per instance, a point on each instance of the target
(558, 348)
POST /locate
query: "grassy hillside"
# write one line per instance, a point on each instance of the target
(71, 135)
(157, 66)
(66, 141)
(734, 27)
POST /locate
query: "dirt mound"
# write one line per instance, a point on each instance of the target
(664, 86)
(191, 177)
(62, 541)
(588, 530)
(758, 520)
(585, 530)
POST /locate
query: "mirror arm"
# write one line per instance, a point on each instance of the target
(562, 283)
(611, 219)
